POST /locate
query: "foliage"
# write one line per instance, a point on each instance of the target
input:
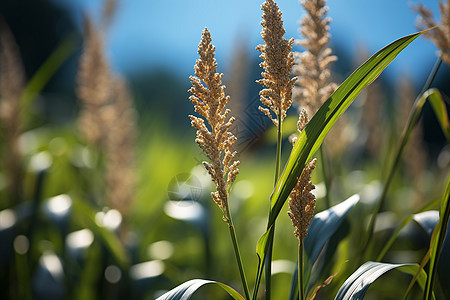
(61, 238)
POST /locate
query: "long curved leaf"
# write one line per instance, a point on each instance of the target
(261, 250)
(438, 105)
(318, 127)
(186, 290)
(427, 220)
(357, 284)
(437, 239)
(323, 226)
(440, 110)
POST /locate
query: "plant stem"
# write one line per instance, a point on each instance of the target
(238, 255)
(278, 154)
(23, 277)
(405, 136)
(326, 177)
(300, 271)
(268, 262)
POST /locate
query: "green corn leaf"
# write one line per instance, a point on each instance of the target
(405, 222)
(357, 284)
(437, 240)
(261, 251)
(440, 110)
(186, 290)
(438, 105)
(323, 226)
(427, 220)
(318, 127)
(86, 214)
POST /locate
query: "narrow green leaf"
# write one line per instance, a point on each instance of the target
(417, 217)
(318, 127)
(85, 213)
(186, 290)
(442, 116)
(438, 239)
(323, 226)
(440, 110)
(422, 265)
(416, 270)
(427, 220)
(357, 284)
(438, 104)
(261, 250)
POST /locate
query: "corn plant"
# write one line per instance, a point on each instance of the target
(294, 182)
(72, 244)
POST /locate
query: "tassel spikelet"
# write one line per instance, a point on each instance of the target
(301, 123)
(312, 65)
(109, 10)
(120, 148)
(12, 84)
(94, 91)
(439, 35)
(107, 119)
(209, 100)
(415, 157)
(302, 202)
(302, 120)
(278, 61)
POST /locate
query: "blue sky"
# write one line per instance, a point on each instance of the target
(165, 33)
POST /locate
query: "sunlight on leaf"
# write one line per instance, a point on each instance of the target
(323, 226)
(355, 287)
(321, 123)
(187, 289)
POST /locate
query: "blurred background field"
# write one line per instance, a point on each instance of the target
(61, 238)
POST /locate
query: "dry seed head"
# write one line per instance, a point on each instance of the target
(109, 9)
(312, 65)
(120, 148)
(12, 76)
(301, 123)
(238, 81)
(12, 83)
(277, 63)
(439, 35)
(302, 202)
(302, 120)
(415, 156)
(209, 100)
(107, 119)
(93, 90)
